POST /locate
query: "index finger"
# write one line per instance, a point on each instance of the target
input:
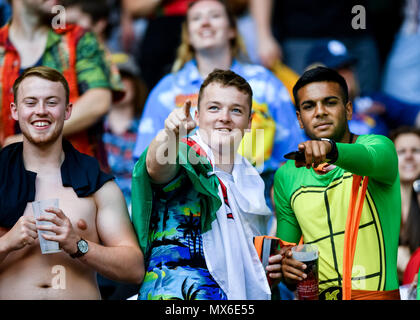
(300, 163)
(187, 108)
(58, 212)
(275, 258)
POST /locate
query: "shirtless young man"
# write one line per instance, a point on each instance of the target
(98, 216)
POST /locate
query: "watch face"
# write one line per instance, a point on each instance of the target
(83, 246)
(416, 186)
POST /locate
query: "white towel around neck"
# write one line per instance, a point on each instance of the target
(228, 247)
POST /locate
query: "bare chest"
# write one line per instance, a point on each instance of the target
(30, 53)
(80, 211)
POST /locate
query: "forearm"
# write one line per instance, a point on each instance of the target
(121, 263)
(88, 109)
(140, 8)
(4, 251)
(161, 158)
(261, 12)
(378, 161)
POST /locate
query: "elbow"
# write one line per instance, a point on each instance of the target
(132, 269)
(139, 276)
(135, 276)
(138, 273)
(98, 100)
(104, 102)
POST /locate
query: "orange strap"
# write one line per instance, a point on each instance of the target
(352, 228)
(375, 295)
(72, 34)
(321, 166)
(258, 243)
(9, 71)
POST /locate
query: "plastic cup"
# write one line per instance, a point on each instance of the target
(269, 249)
(307, 289)
(39, 207)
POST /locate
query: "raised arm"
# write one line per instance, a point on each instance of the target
(161, 159)
(140, 8)
(268, 48)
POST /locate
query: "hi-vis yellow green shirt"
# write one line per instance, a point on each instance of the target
(315, 206)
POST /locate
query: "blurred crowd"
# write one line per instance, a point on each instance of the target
(130, 62)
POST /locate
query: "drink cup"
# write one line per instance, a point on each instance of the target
(270, 245)
(307, 289)
(39, 207)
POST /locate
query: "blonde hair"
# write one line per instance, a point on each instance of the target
(45, 73)
(185, 51)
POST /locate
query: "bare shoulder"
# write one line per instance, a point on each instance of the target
(3, 231)
(113, 220)
(108, 194)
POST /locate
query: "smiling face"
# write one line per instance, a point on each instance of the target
(41, 110)
(408, 150)
(322, 112)
(208, 26)
(223, 116)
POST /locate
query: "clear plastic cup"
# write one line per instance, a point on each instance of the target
(307, 289)
(39, 207)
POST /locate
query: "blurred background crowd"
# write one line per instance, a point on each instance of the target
(132, 61)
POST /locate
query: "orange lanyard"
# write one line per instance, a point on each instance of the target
(352, 228)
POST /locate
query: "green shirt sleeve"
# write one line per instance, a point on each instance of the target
(418, 285)
(287, 225)
(91, 66)
(372, 155)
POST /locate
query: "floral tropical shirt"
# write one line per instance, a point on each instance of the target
(176, 268)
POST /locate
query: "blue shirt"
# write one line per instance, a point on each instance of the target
(272, 107)
(119, 154)
(5, 12)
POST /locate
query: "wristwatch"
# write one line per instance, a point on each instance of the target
(82, 249)
(333, 154)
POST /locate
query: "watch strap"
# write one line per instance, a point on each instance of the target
(78, 253)
(332, 156)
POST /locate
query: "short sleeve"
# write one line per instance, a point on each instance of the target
(91, 65)
(172, 186)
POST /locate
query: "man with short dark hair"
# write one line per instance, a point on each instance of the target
(312, 196)
(91, 225)
(373, 112)
(197, 204)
